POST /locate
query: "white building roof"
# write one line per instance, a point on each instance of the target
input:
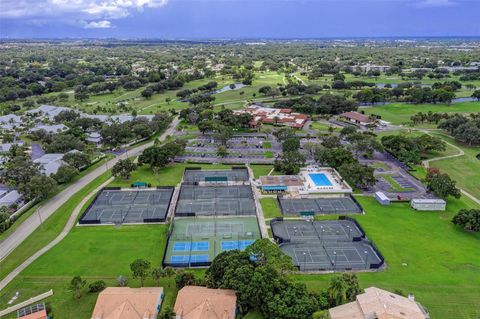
(10, 198)
(50, 163)
(5, 147)
(56, 128)
(428, 201)
(10, 118)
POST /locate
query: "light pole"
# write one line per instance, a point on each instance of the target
(304, 260)
(366, 259)
(335, 261)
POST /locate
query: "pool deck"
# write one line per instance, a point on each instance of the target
(311, 186)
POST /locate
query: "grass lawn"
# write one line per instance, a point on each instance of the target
(261, 170)
(167, 176)
(267, 145)
(94, 253)
(400, 113)
(322, 126)
(463, 169)
(425, 254)
(268, 154)
(49, 229)
(270, 207)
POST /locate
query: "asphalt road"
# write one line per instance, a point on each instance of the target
(29, 225)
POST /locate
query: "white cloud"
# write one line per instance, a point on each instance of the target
(436, 3)
(104, 24)
(75, 9)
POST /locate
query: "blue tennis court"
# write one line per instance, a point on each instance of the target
(199, 258)
(180, 259)
(320, 179)
(191, 246)
(186, 259)
(231, 244)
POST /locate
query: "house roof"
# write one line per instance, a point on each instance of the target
(195, 302)
(381, 304)
(42, 314)
(56, 128)
(10, 198)
(357, 117)
(128, 303)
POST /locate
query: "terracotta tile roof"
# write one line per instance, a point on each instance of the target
(286, 111)
(380, 304)
(194, 302)
(128, 303)
(357, 117)
(42, 314)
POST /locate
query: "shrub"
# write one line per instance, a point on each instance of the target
(97, 286)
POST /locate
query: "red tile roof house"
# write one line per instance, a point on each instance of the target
(128, 303)
(269, 115)
(195, 302)
(377, 303)
(357, 118)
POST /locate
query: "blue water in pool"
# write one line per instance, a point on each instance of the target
(320, 179)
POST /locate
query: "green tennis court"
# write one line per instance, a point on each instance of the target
(195, 241)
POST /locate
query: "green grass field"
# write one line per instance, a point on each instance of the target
(400, 113)
(49, 229)
(270, 207)
(463, 169)
(425, 254)
(95, 253)
(260, 170)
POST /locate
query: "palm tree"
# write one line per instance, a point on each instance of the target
(158, 273)
(337, 291)
(169, 272)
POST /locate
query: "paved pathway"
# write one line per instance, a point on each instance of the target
(70, 223)
(29, 225)
(426, 164)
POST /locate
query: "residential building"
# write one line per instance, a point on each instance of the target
(379, 303)
(357, 118)
(9, 198)
(94, 138)
(51, 129)
(194, 302)
(50, 163)
(128, 303)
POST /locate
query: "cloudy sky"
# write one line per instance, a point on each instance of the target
(190, 19)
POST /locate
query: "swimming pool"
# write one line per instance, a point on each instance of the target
(320, 179)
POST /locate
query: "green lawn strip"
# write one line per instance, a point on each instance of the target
(167, 176)
(394, 184)
(399, 113)
(322, 126)
(442, 261)
(60, 188)
(419, 172)
(465, 170)
(49, 229)
(267, 145)
(270, 207)
(268, 154)
(95, 253)
(260, 170)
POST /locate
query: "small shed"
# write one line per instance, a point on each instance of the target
(428, 204)
(382, 198)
